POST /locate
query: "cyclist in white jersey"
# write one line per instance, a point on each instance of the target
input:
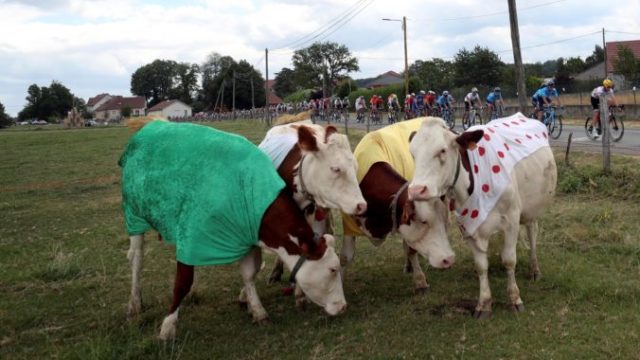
(606, 88)
(472, 100)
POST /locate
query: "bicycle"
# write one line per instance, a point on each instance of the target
(552, 121)
(374, 116)
(496, 112)
(471, 118)
(616, 126)
(393, 115)
(447, 116)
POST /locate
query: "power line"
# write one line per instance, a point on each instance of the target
(621, 32)
(328, 28)
(554, 42)
(489, 14)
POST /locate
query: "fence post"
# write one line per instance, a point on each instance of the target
(604, 125)
(566, 155)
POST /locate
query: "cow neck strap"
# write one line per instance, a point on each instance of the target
(394, 206)
(296, 267)
(303, 188)
(457, 175)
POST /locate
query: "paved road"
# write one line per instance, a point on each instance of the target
(629, 145)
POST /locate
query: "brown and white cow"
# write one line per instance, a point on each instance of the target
(319, 171)
(279, 225)
(384, 165)
(473, 168)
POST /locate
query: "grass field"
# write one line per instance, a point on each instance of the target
(65, 279)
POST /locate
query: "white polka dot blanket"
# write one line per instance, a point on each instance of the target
(506, 141)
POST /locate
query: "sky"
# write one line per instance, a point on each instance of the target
(93, 46)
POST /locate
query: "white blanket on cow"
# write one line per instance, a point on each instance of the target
(277, 146)
(506, 141)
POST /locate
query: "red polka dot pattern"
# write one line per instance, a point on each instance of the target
(485, 187)
(495, 168)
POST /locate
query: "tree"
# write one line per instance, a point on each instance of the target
(49, 103)
(575, 65)
(627, 65)
(478, 67)
(5, 120)
(595, 58)
(285, 83)
(435, 74)
(347, 86)
(562, 76)
(165, 79)
(323, 65)
(217, 84)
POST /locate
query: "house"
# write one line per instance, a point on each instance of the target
(97, 101)
(597, 71)
(272, 98)
(169, 109)
(111, 110)
(386, 79)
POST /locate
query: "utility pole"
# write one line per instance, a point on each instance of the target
(233, 99)
(266, 85)
(406, 61)
(604, 48)
(517, 56)
(253, 102)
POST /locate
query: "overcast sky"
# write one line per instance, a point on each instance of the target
(93, 46)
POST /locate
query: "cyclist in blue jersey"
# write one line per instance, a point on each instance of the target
(445, 100)
(545, 96)
(493, 99)
(420, 103)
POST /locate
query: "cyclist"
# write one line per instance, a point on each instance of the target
(445, 100)
(393, 103)
(430, 101)
(606, 88)
(471, 100)
(408, 104)
(420, 103)
(346, 104)
(544, 97)
(361, 106)
(494, 98)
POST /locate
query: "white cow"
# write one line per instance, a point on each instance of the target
(498, 195)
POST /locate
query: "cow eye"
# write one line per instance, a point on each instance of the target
(335, 169)
(333, 270)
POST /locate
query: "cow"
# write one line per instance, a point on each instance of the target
(384, 167)
(318, 168)
(218, 199)
(499, 175)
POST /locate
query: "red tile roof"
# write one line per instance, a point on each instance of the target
(612, 51)
(119, 102)
(272, 98)
(94, 100)
(163, 105)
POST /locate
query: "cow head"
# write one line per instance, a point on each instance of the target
(436, 151)
(328, 170)
(425, 233)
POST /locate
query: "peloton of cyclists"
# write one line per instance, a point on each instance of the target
(472, 100)
(605, 89)
(493, 99)
(545, 96)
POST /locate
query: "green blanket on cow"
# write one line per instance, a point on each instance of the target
(203, 190)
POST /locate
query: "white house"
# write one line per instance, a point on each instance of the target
(170, 109)
(111, 110)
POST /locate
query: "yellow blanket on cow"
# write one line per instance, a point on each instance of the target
(389, 144)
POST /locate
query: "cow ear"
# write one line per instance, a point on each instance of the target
(413, 133)
(408, 213)
(328, 131)
(329, 240)
(306, 139)
(468, 140)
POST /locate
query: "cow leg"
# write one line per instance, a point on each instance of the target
(249, 267)
(532, 234)
(276, 272)
(420, 280)
(301, 299)
(347, 252)
(135, 255)
(509, 261)
(479, 250)
(181, 287)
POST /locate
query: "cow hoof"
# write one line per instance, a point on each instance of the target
(421, 290)
(481, 314)
(535, 276)
(243, 304)
(517, 308)
(133, 311)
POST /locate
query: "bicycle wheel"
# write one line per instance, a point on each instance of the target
(555, 127)
(465, 122)
(588, 128)
(616, 128)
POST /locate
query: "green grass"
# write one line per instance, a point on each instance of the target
(64, 281)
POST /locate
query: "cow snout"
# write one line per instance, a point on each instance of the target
(418, 192)
(448, 261)
(336, 308)
(361, 208)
